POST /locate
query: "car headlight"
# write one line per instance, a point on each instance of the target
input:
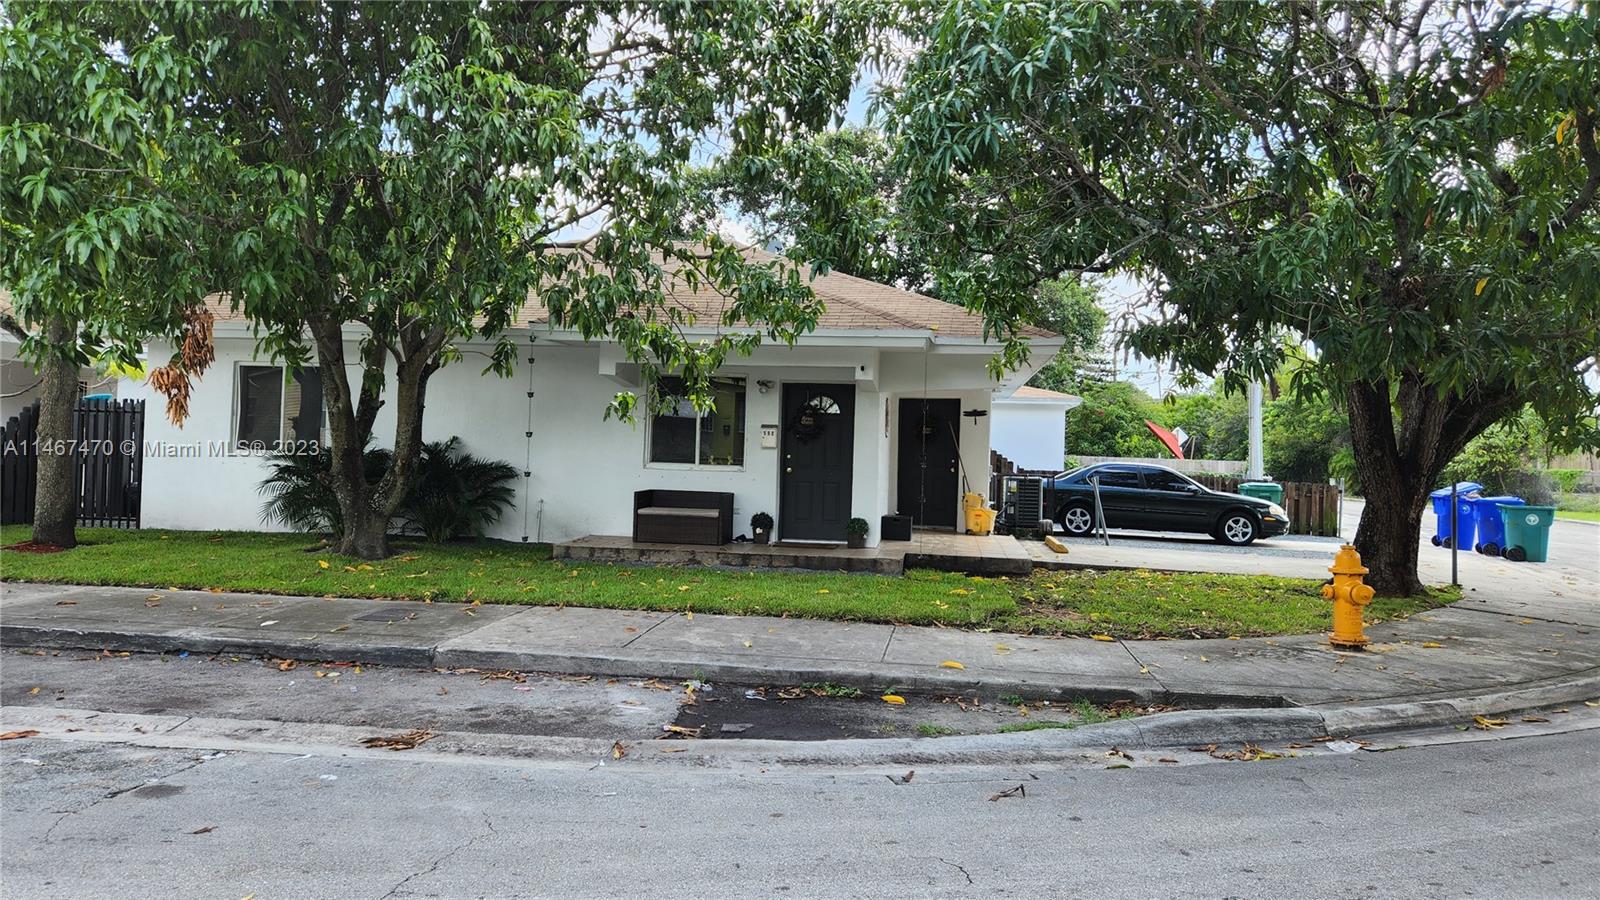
(1277, 510)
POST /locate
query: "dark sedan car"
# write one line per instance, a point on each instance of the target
(1155, 498)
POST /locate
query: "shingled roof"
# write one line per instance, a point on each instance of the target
(850, 304)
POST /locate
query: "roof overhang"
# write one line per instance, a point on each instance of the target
(1064, 402)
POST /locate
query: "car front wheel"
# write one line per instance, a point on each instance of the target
(1077, 520)
(1238, 528)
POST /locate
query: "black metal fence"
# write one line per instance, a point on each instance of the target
(108, 443)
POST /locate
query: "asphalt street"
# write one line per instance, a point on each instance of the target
(1501, 818)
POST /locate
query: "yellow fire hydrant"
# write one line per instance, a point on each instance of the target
(1349, 594)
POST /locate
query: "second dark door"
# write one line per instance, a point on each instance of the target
(818, 446)
(929, 468)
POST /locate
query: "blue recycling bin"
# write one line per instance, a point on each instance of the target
(1443, 535)
(1491, 528)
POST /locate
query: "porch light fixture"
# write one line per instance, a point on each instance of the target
(975, 414)
(763, 385)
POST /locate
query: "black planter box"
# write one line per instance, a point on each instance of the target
(895, 528)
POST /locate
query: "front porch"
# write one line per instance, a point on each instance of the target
(945, 551)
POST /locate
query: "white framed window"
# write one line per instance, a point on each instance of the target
(679, 435)
(272, 412)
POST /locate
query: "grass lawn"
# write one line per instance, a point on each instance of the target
(1145, 604)
(1121, 604)
(1578, 506)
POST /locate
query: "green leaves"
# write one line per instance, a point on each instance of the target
(89, 203)
(1267, 174)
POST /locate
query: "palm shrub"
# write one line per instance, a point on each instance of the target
(456, 493)
(297, 491)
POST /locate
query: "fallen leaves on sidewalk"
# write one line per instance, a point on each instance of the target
(17, 735)
(618, 750)
(405, 741)
(1247, 752)
(205, 830)
(1018, 791)
(951, 664)
(285, 665)
(1484, 723)
(681, 730)
(893, 699)
(903, 779)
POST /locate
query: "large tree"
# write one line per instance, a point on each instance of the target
(833, 198)
(1410, 187)
(411, 171)
(95, 253)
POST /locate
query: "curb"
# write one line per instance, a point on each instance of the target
(1160, 731)
(727, 671)
(1227, 724)
(1163, 731)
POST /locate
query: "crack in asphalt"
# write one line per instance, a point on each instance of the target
(958, 867)
(112, 795)
(438, 861)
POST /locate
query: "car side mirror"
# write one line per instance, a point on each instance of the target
(1192, 488)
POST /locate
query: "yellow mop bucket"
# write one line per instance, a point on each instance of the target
(980, 518)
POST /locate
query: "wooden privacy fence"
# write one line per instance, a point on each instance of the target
(1313, 508)
(108, 443)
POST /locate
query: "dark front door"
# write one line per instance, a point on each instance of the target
(929, 467)
(817, 446)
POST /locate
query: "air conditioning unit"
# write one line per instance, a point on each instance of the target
(1023, 504)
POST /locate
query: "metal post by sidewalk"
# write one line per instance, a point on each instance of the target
(1455, 535)
(1100, 512)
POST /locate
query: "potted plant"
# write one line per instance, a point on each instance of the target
(761, 524)
(856, 533)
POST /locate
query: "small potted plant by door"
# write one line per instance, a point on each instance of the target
(856, 533)
(761, 524)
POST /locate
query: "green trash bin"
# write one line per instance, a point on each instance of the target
(1270, 491)
(1527, 532)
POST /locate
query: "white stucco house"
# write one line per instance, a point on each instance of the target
(1030, 427)
(20, 385)
(883, 409)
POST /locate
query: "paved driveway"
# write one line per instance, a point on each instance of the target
(1570, 581)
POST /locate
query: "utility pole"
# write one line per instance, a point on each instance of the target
(1257, 465)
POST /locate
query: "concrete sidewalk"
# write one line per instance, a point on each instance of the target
(1481, 646)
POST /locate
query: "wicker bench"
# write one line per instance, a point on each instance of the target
(682, 517)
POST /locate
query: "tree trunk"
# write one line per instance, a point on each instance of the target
(55, 511)
(1388, 536)
(1400, 463)
(368, 509)
(366, 536)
